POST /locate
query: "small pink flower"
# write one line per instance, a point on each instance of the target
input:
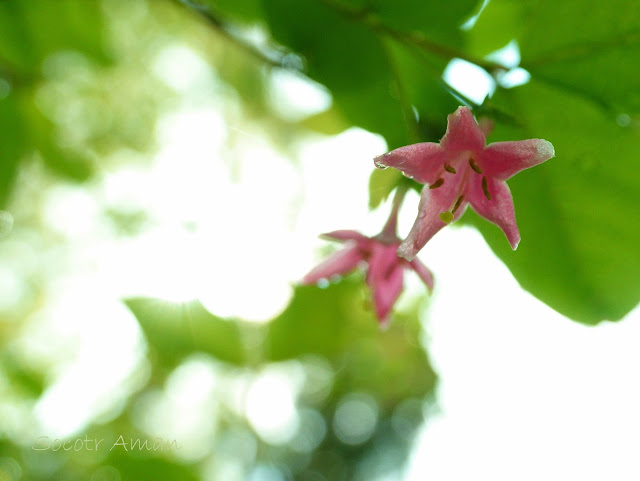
(384, 267)
(462, 170)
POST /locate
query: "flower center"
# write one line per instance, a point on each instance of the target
(459, 162)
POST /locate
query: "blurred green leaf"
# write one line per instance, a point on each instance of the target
(23, 378)
(329, 122)
(12, 145)
(437, 21)
(29, 36)
(42, 138)
(175, 331)
(381, 184)
(335, 323)
(499, 23)
(242, 10)
(419, 75)
(134, 466)
(348, 58)
(578, 213)
(592, 52)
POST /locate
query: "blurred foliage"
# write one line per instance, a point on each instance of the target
(175, 331)
(330, 334)
(67, 89)
(334, 336)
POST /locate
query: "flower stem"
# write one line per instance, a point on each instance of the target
(390, 229)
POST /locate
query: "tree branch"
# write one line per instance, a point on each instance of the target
(416, 39)
(272, 58)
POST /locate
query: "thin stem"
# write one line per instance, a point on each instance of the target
(390, 229)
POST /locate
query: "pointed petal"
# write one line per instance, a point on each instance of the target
(386, 294)
(347, 235)
(384, 278)
(423, 272)
(340, 262)
(505, 159)
(499, 209)
(433, 202)
(463, 132)
(422, 162)
(382, 261)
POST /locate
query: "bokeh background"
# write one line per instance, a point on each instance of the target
(165, 170)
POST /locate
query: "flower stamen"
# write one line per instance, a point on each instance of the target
(448, 168)
(485, 188)
(475, 166)
(437, 183)
(457, 204)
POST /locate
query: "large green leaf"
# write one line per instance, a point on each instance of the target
(578, 213)
(175, 331)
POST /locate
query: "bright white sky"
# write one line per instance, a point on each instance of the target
(524, 393)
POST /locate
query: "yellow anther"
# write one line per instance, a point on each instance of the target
(446, 217)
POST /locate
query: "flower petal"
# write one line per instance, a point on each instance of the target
(382, 261)
(347, 235)
(386, 293)
(384, 278)
(463, 132)
(423, 272)
(340, 262)
(499, 209)
(505, 159)
(433, 202)
(422, 162)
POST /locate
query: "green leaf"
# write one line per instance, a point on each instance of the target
(335, 323)
(348, 58)
(381, 184)
(329, 122)
(22, 377)
(29, 36)
(43, 139)
(140, 466)
(175, 331)
(437, 21)
(594, 53)
(241, 10)
(578, 212)
(498, 24)
(12, 145)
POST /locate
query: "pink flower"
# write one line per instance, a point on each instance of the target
(461, 170)
(384, 267)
